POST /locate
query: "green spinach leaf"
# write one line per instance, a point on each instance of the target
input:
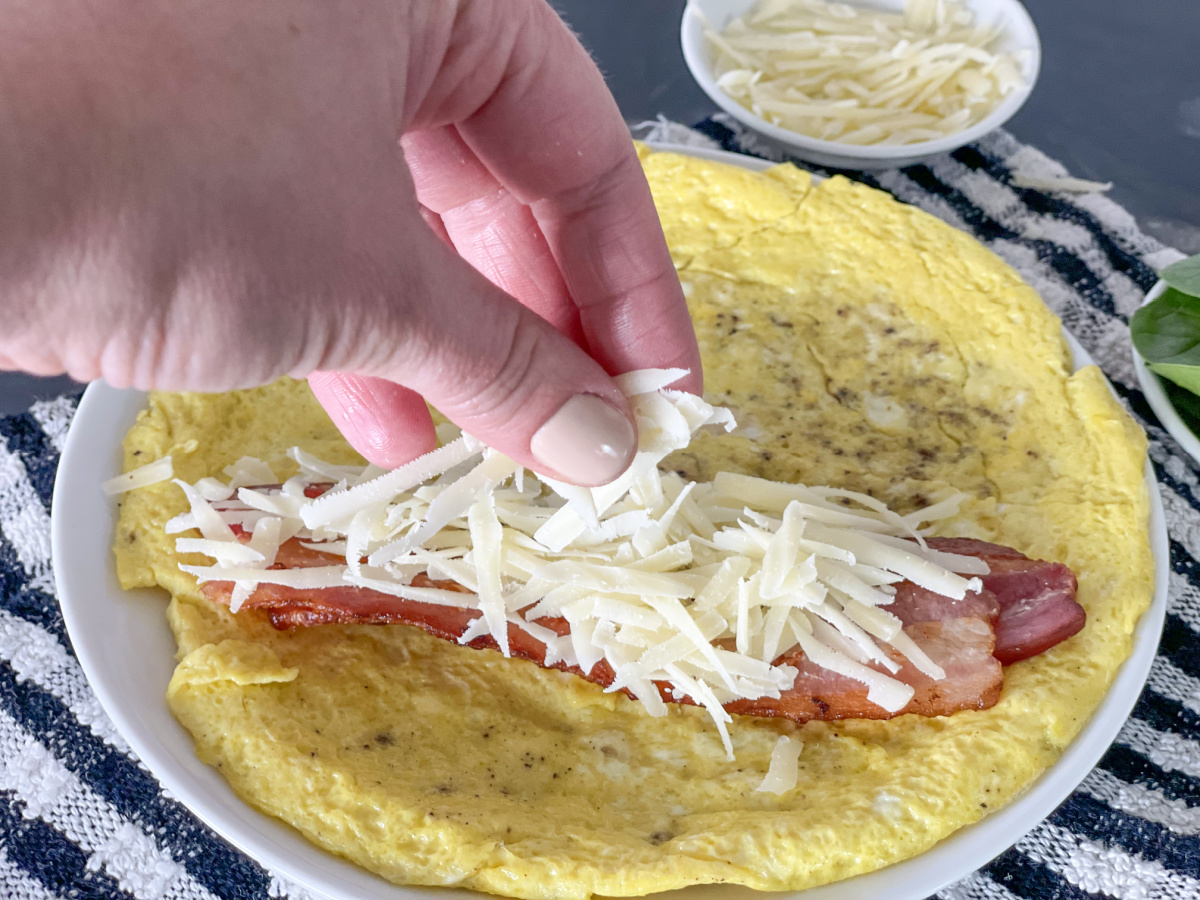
(1184, 376)
(1167, 330)
(1186, 404)
(1183, 275)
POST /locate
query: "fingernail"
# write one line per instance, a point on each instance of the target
(587, 442)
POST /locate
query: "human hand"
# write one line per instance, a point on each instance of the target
(205, 196)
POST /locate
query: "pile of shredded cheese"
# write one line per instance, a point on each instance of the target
(857, 76)
(699, 587)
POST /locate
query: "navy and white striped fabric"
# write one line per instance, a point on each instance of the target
(80, 817)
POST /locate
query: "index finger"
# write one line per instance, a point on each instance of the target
(552, 135)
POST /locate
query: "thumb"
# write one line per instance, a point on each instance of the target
(498, 371)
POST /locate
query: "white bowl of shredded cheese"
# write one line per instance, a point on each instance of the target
(876, 84)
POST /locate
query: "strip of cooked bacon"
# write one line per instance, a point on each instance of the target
(956, 634)
(961, 646)
(917, 604)
(1037, 598)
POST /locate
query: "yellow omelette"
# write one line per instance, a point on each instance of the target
(860, 343)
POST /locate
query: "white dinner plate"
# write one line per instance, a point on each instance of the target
(1157, 397)
(127, 652)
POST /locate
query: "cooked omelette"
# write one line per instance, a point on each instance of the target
(860, 343)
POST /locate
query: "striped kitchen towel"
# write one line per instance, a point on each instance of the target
(80, 817)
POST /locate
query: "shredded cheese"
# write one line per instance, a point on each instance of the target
(782, 772)
(859, 76)
(1065, 183)
(143, 476)
(695, 591)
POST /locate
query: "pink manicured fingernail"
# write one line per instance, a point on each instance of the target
(587, 442)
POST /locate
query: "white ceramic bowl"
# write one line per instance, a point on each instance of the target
(1020, 34)
(1156, 395)
(127, 652)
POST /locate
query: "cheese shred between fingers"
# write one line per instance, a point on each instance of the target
(689, 591)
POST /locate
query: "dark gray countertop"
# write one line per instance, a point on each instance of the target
(1118, 100)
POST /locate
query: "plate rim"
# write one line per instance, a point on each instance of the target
(274, 845)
